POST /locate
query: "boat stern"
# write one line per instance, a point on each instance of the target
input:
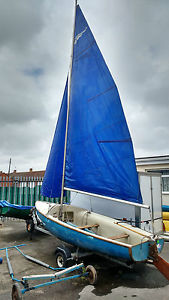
(160, 244)
(146, 250)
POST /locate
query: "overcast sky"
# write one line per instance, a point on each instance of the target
(35, 46)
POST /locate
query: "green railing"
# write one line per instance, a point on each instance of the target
(25, 191)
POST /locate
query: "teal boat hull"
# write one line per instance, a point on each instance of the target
(98, 244)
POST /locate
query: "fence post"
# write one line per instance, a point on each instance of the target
(3, 188)
(9, 189)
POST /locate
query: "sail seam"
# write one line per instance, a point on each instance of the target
(82, 52)
(98, 95)
(115, 141)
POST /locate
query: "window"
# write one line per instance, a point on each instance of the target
(165, 179)
(165, 183)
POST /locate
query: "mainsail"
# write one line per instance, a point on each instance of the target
(99, 153)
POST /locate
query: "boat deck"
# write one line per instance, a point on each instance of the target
(98, 224)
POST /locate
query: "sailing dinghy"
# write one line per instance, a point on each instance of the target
(92, 153)
(97, 233)
(14, 210)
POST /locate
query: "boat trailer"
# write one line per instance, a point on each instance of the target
(20, 287)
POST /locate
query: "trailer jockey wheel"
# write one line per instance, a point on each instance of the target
(16, 292)
(61, 260)
(92, 277)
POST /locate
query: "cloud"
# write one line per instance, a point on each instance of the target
(35, 72)
(20, 21)
(35, 47)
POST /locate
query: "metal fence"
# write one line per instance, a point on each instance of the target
(24, 190)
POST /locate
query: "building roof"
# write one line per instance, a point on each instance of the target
(29, 173)
(3, 173)
(161, 159)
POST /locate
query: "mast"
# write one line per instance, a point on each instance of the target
(9, 169)
(67, 118)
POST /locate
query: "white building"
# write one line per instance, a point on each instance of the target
(158, 164)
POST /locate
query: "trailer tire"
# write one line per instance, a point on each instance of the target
(61, 260)
(92, 276)
(16, 292)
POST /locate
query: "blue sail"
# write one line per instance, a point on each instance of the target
(52, 181)
(99, 156)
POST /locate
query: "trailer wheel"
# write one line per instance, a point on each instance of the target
(16, 292)
(92, 277)
(61, 260)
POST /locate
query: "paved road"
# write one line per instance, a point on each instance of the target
(117, 283)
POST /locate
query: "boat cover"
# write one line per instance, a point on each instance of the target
(4, 203)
